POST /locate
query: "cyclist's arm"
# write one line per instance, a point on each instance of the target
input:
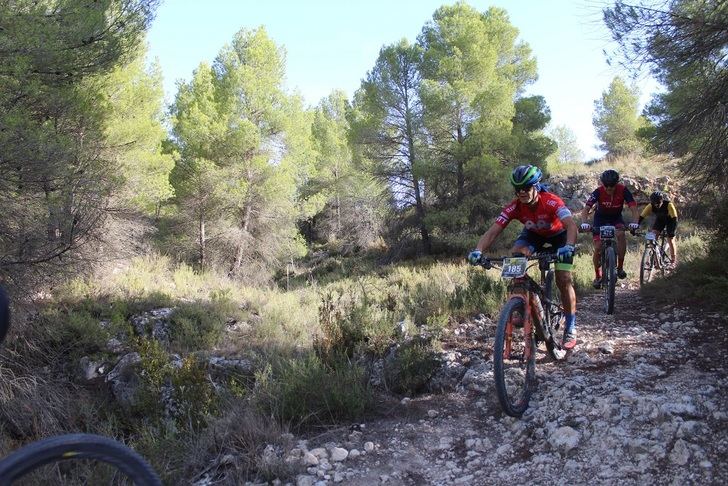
(635, 213)
(671, 210)
(589, 206)
(571, 230)
(488, 237)
(645, 212)
(631, 204)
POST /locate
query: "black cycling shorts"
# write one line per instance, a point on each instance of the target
(662, 223)
(537, 242)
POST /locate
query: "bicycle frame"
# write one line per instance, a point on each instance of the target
(533, 296)
(522, 324)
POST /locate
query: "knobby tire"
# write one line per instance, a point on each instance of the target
(77, 446)
(647, 265)
(514, 378)
(610, 272)
(554, 314)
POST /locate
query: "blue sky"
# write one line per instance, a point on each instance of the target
(331, 44)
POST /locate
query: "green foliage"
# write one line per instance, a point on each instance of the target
(237, 189)
(479, 294)
(568, 151)
(411, 367)
(616, 119)
(184, 391)
(351, 328)
(307, 391)
(683, 43)
(341, 203)
(196, 326)
(387, 126)
(57, 172)
(135, 129)
(473, 73)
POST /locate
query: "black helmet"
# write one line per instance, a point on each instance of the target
(656, 197)
(609, 177)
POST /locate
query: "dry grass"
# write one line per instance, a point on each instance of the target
(634, 166)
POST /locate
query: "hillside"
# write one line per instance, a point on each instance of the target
(214, 382)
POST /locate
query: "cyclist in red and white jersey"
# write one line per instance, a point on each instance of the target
(546, 219)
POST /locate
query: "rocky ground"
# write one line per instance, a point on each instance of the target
(643, 399)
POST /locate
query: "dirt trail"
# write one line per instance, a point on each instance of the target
(643, 399)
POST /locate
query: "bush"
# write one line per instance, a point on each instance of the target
(350, 327)
(186, 394)
(699, 280)
(480, 294)
(306, 391)
(411, 367)
(197, 326)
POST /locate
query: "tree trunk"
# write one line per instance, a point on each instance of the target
(460, 169)
(244, 225)
(202, 242)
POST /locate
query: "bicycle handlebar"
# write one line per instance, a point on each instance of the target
(487, 262)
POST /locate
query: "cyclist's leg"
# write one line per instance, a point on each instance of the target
(566, 290)
(671, 226)
(527, 243)
(621, 245)
(597, 256)
(597, 260)
(657, 228)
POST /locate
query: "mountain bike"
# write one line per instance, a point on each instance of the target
(38, 461)
(654, 257)
(607, 234)
(531, 315)
(608, 263)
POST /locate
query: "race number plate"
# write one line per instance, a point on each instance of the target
(606, 232)
(514, 267)
(650, 236)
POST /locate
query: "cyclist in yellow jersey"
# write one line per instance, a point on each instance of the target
(665, 219)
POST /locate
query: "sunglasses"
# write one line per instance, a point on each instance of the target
(522, 188)
(609, 185)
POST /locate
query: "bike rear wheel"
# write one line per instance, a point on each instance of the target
(610, 275)
(120, 459)
(514, 359)
(554, 313)
(647, 265)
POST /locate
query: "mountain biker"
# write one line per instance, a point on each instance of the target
(546, 219)
(665, 219)
(609, 197)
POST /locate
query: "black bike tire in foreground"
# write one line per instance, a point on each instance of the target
(77, 446)
(513, 402)
(610, 274)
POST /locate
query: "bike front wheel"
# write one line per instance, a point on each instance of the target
(610, 275)
(33, 461)
(647, 265)
(514, 359)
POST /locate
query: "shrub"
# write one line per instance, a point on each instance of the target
(411, 367)
(197, 326)
(480, 294)
(184, 391)
(350, 327)
(306, 391)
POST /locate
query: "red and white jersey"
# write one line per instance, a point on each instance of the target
(543, 219)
